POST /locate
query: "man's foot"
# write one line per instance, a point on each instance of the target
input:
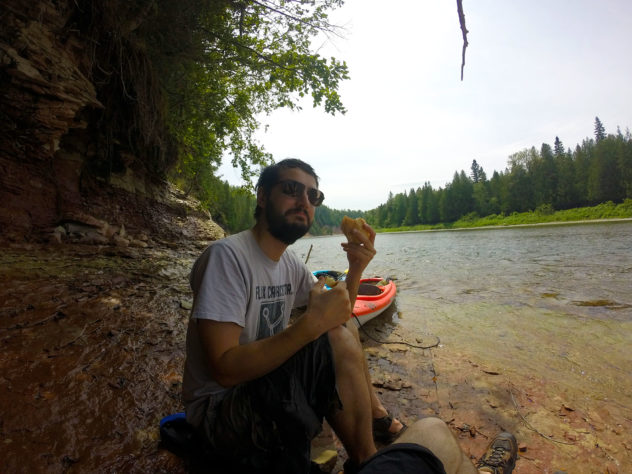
(386, 429)
(500, 457)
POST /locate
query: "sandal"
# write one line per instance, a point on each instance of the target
(381, 429)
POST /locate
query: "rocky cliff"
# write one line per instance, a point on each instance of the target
(77, 158)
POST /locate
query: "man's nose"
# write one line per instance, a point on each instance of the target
(302, 198)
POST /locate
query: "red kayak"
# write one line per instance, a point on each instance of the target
(374, 296)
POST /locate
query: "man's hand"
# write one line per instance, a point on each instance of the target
(328, 309)
(359, 254)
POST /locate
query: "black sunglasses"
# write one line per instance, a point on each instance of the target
(293, 188)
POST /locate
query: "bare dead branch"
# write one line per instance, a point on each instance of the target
(459, 7)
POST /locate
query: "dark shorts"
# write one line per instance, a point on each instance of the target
(267, 425)
(401, 458)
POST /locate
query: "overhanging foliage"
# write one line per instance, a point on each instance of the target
(241, 59)
(183, 82)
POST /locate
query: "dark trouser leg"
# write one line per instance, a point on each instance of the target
(268, 424)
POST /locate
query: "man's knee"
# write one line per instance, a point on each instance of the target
(342, 339)
(434, 434)
(425, 429)
(344, 344)
(433, 425)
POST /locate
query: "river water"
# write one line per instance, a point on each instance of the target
(583, 270)
(549, 302)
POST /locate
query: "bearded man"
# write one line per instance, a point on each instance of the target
(255, 387)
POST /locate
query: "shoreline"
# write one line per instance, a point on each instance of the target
(490, 227)
(508, 226)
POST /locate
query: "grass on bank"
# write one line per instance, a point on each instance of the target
(542, 214)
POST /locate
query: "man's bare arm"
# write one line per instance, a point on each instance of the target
(231, 363)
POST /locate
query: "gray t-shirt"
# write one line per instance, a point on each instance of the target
(234, 281)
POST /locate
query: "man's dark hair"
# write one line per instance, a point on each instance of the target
(269, 177)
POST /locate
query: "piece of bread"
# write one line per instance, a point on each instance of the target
(348, 224)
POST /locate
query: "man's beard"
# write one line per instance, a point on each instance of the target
(281, 229)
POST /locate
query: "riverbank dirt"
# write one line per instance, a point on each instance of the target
(93, 345)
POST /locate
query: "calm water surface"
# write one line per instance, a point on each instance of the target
(581, 269)
(549, 303)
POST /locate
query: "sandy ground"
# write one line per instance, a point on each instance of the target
(92, 352)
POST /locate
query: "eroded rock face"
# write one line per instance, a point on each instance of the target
(43, 93)
(53, 174)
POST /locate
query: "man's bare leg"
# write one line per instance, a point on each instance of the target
(377, 408)
(352, 424)
(435, 435)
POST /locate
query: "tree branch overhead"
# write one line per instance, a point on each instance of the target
(459, 6)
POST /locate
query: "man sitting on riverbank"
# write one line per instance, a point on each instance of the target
(256, 388)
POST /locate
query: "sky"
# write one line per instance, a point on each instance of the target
(535, 69)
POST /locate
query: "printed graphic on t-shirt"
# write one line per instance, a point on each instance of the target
(270, 318)
(273, 291)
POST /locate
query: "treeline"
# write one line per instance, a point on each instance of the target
(547, 180)
(327, 221)
(234, 208)
(552, 178)
(231, 207)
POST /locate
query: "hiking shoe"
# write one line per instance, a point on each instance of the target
(500, 457)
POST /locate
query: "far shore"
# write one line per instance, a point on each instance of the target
(505, 226)
(497, 226)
